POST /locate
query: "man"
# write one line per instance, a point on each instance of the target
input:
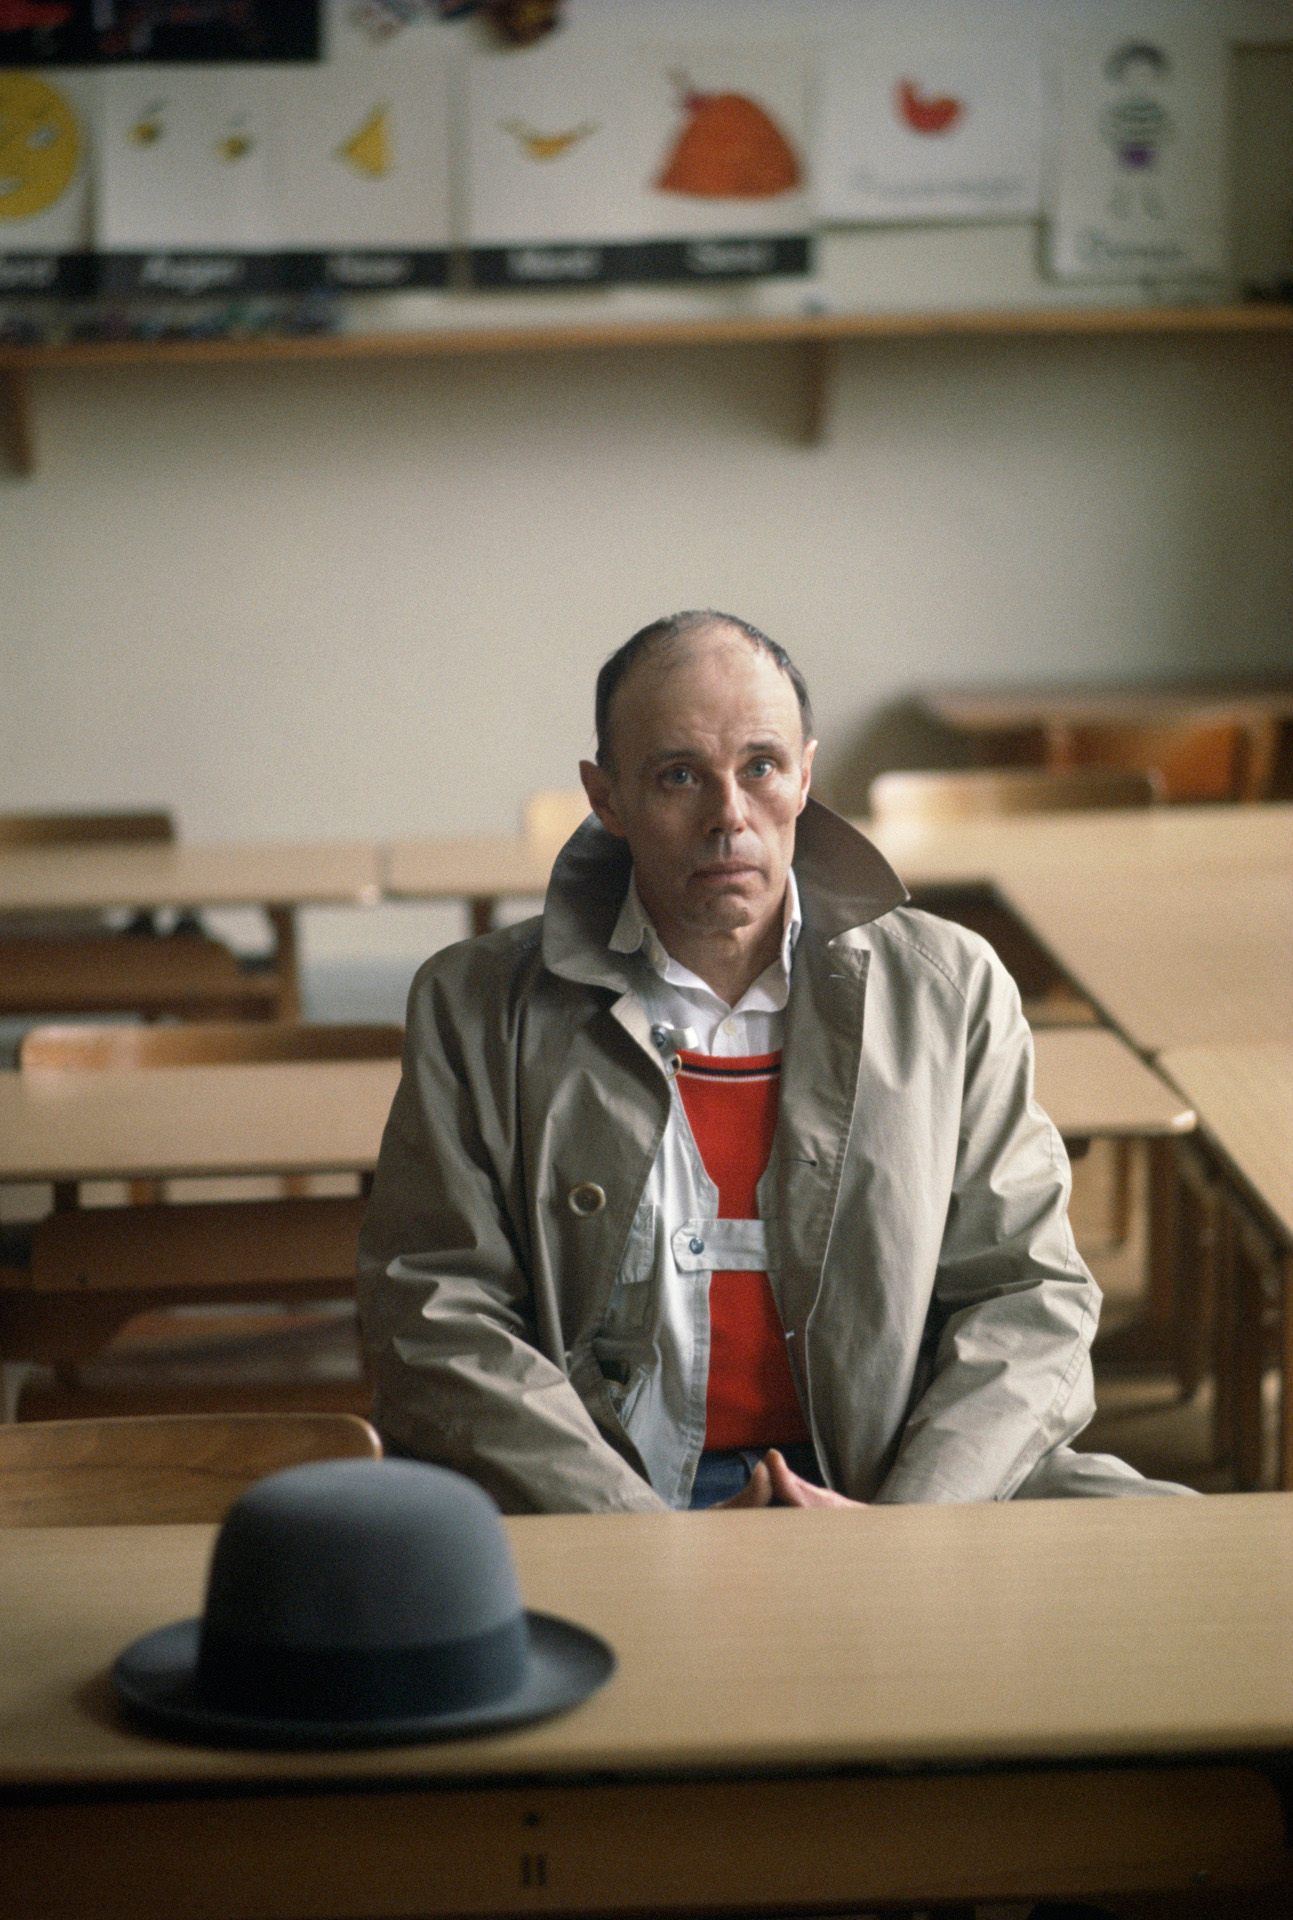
(722, 1182)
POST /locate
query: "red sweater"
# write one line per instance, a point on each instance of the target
(732, 1107)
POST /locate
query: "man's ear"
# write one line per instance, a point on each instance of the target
(806, 772)
(597, 785)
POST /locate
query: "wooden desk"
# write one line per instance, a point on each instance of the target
(278, 878)
(1093, 848)
(1173, 958)
(479, 870)
(1039, 721)
(1094, 1087)
(900, 1704)
(310, 1116)
(1177, 921)
(94, 1269)
(1244, 1096)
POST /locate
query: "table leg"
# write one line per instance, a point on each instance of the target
(283, 921)
(481, 907)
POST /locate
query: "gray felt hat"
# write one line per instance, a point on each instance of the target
(359, 1603)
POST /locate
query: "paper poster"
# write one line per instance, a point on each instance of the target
(918, 123)
(237, 179)
(85, 32)
(1137, 176)
(600, 160)
(189, 158)
(46, 139)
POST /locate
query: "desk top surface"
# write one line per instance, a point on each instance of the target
(1100, 848)
(317, 1116)
(992, 709)
(464, 866)
(773, 1641)
(1174, 959)
(1244, 1095)
(327, 1116)
(180, 875)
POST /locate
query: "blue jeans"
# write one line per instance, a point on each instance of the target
(724, 1471)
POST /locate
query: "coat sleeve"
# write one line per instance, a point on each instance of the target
(1014, 1307)
(445, 1299)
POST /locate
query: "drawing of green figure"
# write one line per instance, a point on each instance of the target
(1137, 127)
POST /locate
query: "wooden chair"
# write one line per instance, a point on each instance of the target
(184, 1467)
(1193, 759)
(110, 1297)
(72, 961)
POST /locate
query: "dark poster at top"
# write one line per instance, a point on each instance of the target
(87, 33)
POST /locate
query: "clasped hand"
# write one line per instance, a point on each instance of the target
(772, 1484)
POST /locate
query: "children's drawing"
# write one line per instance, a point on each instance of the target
(40, 146)
(730, 148)
(922, 120)
(924, 112)
(1138, 175)
(370, 149)
(547, 146)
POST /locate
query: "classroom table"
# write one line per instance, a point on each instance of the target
(478, 869)
(1244, 1097)
(279, 878)
(1010, 722)
(1176, 921)
(303, 1116)
(92, 1269)
(326, 1116)
(810, 1707)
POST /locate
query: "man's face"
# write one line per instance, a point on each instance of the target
(709, 773)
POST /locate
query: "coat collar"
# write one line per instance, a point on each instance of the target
(843, 882)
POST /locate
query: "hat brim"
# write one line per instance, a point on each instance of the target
(156, 1678)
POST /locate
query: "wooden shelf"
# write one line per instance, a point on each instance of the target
(816, 334)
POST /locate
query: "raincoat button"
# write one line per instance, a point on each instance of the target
(697, 1246)
(586, 1198)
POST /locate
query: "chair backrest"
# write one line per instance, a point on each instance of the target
(1194, 759)
(550, 818)
(172, 1467)
(204, 1043)
(978, 793)
(84, 829)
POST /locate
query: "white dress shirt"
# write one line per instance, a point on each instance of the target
(679, 1002)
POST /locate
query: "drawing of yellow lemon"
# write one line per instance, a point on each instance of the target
(39, 145)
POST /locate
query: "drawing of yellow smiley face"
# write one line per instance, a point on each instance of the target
(39, 145)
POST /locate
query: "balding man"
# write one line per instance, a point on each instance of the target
(722, 1181)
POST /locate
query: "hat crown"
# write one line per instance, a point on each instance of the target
(361, 1554)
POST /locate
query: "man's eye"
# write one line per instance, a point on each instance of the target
(676, 776)
(762, 767)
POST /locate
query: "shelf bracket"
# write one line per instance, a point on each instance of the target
(818, 366)
(16, 445)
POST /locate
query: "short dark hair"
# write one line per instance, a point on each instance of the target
(661, 637)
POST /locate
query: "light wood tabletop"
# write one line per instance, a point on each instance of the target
(1244, 1097)
(1093, 1086)
(940, 1635)
(1093, 849)
(315, 1116)
(1173, 958)
(327, 1116)
(774, 1670)
(184, 875)
(997, 709)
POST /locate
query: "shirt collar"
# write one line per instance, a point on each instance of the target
(634, 934)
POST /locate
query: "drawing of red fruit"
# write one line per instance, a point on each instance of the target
(926, 113)
(730, 148)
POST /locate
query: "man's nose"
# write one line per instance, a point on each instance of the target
(726, 813)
